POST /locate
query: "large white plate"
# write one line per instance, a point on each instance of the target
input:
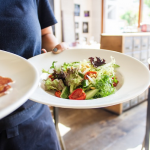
(134, 78)
(26, 81)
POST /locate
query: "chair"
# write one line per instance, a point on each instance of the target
(146, 142)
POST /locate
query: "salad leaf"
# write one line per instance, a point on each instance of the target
(54, 85)
(98, 62)
(115, 80)
(116, 66)
(73, 79)
(85, 83)
(66, 66)
(44, 71)
(53, 65)
(81, 75)
(105, 86)
(59, 75)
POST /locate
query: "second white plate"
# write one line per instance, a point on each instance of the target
(26, 79)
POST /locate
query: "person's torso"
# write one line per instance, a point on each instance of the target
(20, 30)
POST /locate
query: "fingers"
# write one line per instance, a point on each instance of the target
(60, 47)
(43, 50)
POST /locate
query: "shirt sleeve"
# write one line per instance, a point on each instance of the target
(46, 15)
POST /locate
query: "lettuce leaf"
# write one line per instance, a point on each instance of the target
(105, 86)
(73, 79)
(54, 85)
(53, 65)
(44, 71)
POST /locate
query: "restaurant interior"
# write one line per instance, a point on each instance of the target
(118, 25)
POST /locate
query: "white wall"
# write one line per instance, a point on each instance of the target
(96, 19)
(85, 5)
(94, 6)
(67, 8)
(57, 11)
(67, 5)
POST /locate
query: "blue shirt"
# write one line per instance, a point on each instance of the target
(21, 22)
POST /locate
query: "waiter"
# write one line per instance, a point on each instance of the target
(25, 29)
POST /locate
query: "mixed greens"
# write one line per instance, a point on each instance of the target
(83, 80)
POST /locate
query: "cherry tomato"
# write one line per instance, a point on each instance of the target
(51, 77)
(115, 84)
(90, 73)
(77, 94)
(58, 93)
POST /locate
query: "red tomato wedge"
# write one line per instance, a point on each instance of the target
(77, 94)
(51, 77)
(115, 84)
(58, 93)
(91, 74)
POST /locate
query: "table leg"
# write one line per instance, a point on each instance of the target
(146, 142)
(56, 119)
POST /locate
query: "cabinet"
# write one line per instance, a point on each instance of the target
(136, 45)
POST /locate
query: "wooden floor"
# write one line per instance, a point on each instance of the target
(97, 129)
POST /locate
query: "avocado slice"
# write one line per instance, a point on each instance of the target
(91, 93)
(65, 92)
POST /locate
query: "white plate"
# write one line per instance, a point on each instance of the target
(133, 76)
(26, 81)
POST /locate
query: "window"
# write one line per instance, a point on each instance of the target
(146, 12)
(121, 15)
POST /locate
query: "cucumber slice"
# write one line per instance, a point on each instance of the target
(81, 75)
(91, 93)
(65, 92)
(71, 88)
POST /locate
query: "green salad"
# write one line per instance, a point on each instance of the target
(83, 80)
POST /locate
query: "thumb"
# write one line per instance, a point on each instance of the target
(43, 50)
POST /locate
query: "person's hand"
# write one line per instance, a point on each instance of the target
(60, 47)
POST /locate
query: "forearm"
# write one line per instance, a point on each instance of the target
(49, 41)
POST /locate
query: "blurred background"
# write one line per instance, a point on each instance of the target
(81, 22)
(118, 25)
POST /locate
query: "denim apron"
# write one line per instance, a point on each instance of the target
(31, 129)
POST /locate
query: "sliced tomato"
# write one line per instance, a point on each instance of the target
(51, 77)
(91, 74)
(77, 94)
(58, 93)
(115, 84)
(4, 88)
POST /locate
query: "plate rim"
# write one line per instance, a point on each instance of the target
(25, 96)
